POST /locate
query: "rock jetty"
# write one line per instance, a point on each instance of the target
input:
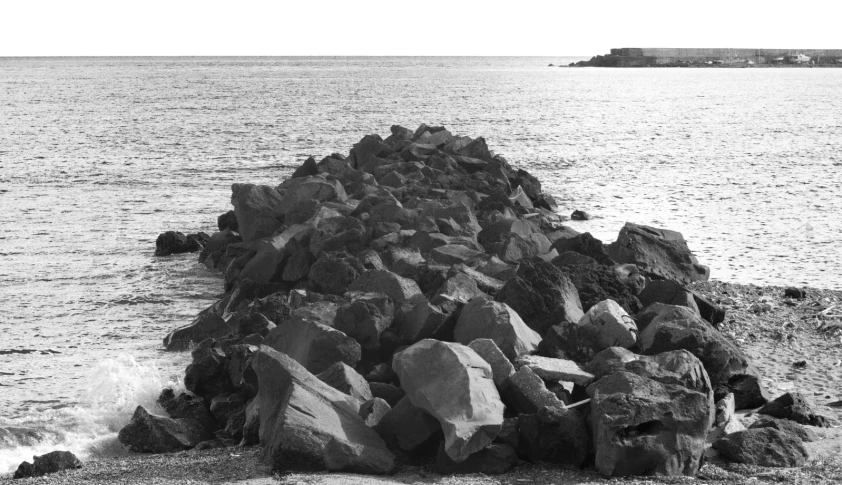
(420, 301)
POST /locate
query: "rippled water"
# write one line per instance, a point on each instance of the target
(98, 156)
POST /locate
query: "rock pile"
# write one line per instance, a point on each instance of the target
(420, 301)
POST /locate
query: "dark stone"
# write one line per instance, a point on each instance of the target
(333, 272)
(187, 407)
(410, 429)
(148, 433)
(571, 341)
(598, 283)
(387, 392)
(710, 312)
(274, 307)
(794, 406)
(208, 375)
(173, 242)
(306, 169)
(227, 221)
(578, 215)
(584, 244)
(659, 253)
(203, 327)
(749, 392)
(763, 447)
(797, 293)
(788, 427)
(554, 435)
(668, 292)
(52, 462)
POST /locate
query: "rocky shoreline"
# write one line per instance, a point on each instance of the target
(419, 303)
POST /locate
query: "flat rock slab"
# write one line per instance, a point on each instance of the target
(551, 369)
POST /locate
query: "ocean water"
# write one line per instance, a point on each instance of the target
(98, 156)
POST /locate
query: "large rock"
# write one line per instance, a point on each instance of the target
(208, 325)
(208, 375)
(334, 272)
(409, 428)
(658, 252)
(584, 244)
(311, 188)
(786, 426)
(501, 367)
(453, 384)
(313, 345)
(52, 462)
(541, 295)
(613, 326)
(148, 433)
(680, 328)
(668, 292)
(551, 369)
(483, 317)
(306, 424)
(644, 427)
(554, 435)
(343, 378)
(396, 287)
(259, 210)
(526, 393)
(596, 283)
(763, 447)
(748, 390)
(419, 319)
(364, 321)
(794, 407)
(173, 242)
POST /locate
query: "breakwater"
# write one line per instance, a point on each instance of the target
(646, 57)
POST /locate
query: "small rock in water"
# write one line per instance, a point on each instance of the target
(578, 215)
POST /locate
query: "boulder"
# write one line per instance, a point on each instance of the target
(409, 428)
(788, 427)
(494, 460)
(187, 407)
(364, 321)
(554, 435)
(52, 462)
(208, 375)
(641, 426)
(227, 222)
(551, 369)
(173, 242)
(680, 328)
(612, 325)
(373, 411)
(584, 244)
(314, 187)
(419, 319)
(306, 169)
(541, 295)
(343, 378)
(668, 292)
(224, 406)
(763, 447)
(389, 393)
(748, 391)
(661, 253)
(398, 288)
(450, 254)
(526, 393)
(216, 247)
(453, 384)
(569, 341)
(208, 325)
(334, 272)
(483, 317)
(251, 323)
(501, 367)
(305, 424)
(459, 288)
(596, 283)
(726, 421)
(259, 210)
(484, 283)
(313, 345)
(794, 407)
(148, 433)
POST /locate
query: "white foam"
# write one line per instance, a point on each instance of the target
(115, 388)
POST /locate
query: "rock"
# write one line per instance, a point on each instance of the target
(398, 288)
(450, 254)
(658, 252)
(643, 427)
(52, 462)
(554, 435)
(409, 428)
(389, 393)
(343, 378)
(668, 292)
(794, 406)
(373, 410)
(541, 295)
(339, 234)
(298, 265)
(306, 169)
(726, 421)
(251, 427)
(453, 384)
(710, 312)
(259, 210)
(251, 323)
(418, 319)
(797, 293)
(334, 272)
(427, 241)
(208, 374)
(578, 215)
(584, 244)
(569, 341)
(314, 346)
(680, 328)
(551, 369)
(216, 246)
(307, 425)
(613, 326)
(363, 321)
(148, 433)
(526, 393)
(459, 288)
(501, 368)
(485, 318)
(748, 391)
(315, 188)
(227, 222)
(172, 242)
(208, 325)
(788, 427)
(223, 407)
(546, 201)
(596, 283)
(484, 283)
(494, 460)
(678, 367)
(609, 361)
(763, 447)
(187, 407)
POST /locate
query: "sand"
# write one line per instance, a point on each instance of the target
(776, 332)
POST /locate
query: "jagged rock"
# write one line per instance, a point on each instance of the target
(148, 433)
(251, 323)
(314, 346)
(306, 424)
(484, 283)
(306, 169)
(541, 295)
(173, 242)
(334, 272)
(208, 374)
(453, 384)
(450, 254)
(613, 326)
(339, 234)
(259, 210)
(645, 427)
(725, 421)
(251, 427)
(373, 410)
(314, 187)
(418, 319)
(609, 361)
(668, 292)
(389, 393)
(227, 222)
(546, 201)
(794, 406)
(596, 283)
(501, 367)
(52, 462)
(629, 275)
(226, 405)
(555, 435)
(551, 369)
(187, 407)
(788, 427)
(459, 288)
(343, 378)
(763, 447)
(216, 246)
(569, 341)
(584, 244)
(298, 265)
(208, 325)
(486, 318)
(427, 241)
(680, 328)
(398, 288)
(526, 393)
(363, 321)
(658, 252)
(409, 428)
(710, 312)
(494, 460)
(748, 390)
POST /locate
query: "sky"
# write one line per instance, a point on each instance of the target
(395, 27)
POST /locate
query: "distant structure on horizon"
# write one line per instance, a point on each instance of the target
(646, 57)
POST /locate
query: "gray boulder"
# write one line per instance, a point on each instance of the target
(763, 447)
(208, 325)
(501, 367)
(396, 287)
(486, 318)
(551, 369)
(259, 210)
(313, 345)
(613, 326)
(52, 462)
(343, 378)
(658, 252)
(148, 433)
(526, 393)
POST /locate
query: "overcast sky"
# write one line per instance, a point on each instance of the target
(408, 27)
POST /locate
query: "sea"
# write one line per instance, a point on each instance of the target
(100, 155)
